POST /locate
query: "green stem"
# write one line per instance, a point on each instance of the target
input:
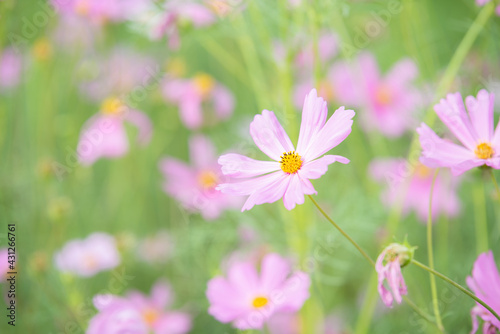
(480, 218)
(368, 258)
(456, 285)
(435, 305)
(421, 313)
(495, 183)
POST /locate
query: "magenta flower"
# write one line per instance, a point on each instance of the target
(388, 267)
(248, 298)
(481, 146)
(481, 3)
(10, 69)
(179, 12)
(196, 94)
(138, 314)
(194, 186)
(485, 283)
(412, 187)
(388, 103)
(89, 256)
(288, 175)
(104, 135)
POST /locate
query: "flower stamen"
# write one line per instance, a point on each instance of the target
(260, 302)
(484, 151)
(290, 162)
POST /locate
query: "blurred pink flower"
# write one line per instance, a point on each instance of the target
(156, 248)
(328, 48)
(247, 298)
(412, 187)
(388, 103)
(4, 264)
(196, 94)
(139, 314)
(481, 3)
(485, 283)
(391, 271)
(89, 256)
(288, 176)
(98, 11)
(281, 323)
(10, 68)
(104, 135)
(474, 130)
(123, 72)
(194, 186)
(180, 12)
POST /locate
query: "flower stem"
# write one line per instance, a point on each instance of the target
(435, 305)
(368, 258)
(495, 183)
(456, 285)
(422, 313)
(480, 217)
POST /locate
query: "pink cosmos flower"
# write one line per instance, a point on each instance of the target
(413, 186)
(389, 102)
(10, 69)
(485, 283)
(98, 11)
(394, 256)
(104, 135)
(138, 314)
(178, 12)
(288, 175)
(281, 323)
(89, 256)
(194, 186)
(196, 94)
(248, 298)
(481, 3)
(474, 130)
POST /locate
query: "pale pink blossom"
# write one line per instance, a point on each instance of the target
(10, 68)
(288, 176)
(104, 135)
(87, 257)
(248, 298)
(388, 103)
(281, 323)
(98, 11)
(194, 185)
(475, 131)
(201, 100)
(388, 267)
(411, 186)
(139, 314)
(180, 12)
(485, 283)
(4, 264)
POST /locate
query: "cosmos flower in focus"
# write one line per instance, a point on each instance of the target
(179, 13)
(247, 298)
(388, 267)
(194, 185)
(388, 103)
(87, 257)
(10, 68)
(139, 314)
(485, 283)
(196, 96)
(104, 135)
(288, 175)
(481, 3)
(413, 188)
(475, 130)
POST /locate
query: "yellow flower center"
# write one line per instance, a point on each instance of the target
(150, 316)
(290, 162)
(484, 151)
(383, 95)
(260, 302)
(42, 50)
(422, 171)
(208, 179)
(204, 83)
(176, 67)
(112, 106)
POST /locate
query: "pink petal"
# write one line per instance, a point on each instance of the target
(223, 101)
(314, 115)
(293, 293)
(481, 114)
(402, 73)
(274, 271)
(344, 80)
(294, 194)
(274, 188)
(225, 301)
(173, 323)
(143, 124)
(196, 13)
(161, 294)
(269, 135)
(333, 133)
(201, 151)
(240, 166)
(191, 111)
(316, 168)
(452, 112)
(368, 70)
